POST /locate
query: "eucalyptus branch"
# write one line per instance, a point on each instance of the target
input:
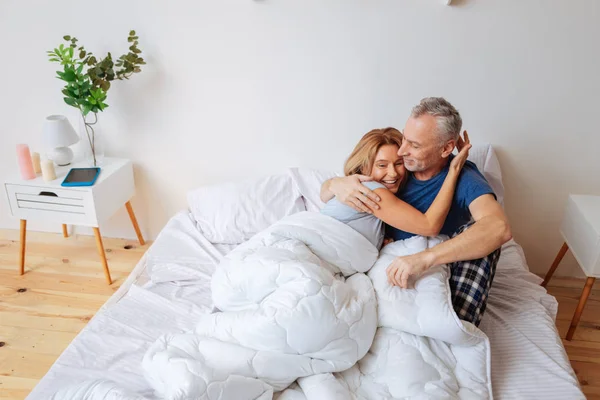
(88, 79)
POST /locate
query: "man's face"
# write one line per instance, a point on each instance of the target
(421, 148)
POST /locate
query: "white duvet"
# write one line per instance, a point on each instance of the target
(298, 318)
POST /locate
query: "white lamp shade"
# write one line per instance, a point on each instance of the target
(58, 132)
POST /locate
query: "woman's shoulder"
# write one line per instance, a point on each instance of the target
(338, 210)
(374, 185)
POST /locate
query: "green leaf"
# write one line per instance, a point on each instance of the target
(70, 101)
(69, 76)
(67, 37)
(132, 33)
(54, 60)
(82, 54)
(61, 47)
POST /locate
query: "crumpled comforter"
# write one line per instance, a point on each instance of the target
(297, 318)
(421, 349)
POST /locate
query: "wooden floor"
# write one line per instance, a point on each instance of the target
(42, 311)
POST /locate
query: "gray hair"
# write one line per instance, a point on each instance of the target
(449, 122)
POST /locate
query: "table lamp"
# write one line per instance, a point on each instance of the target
(58, 134)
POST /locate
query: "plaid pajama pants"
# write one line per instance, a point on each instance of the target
(470, 283)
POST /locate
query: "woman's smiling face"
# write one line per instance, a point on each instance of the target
(388, 168)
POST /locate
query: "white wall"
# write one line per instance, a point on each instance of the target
(241, 88)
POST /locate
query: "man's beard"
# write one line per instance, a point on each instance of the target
(414, 166)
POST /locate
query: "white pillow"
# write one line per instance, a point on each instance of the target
(232, 213)
(485, 158)
(308, 182)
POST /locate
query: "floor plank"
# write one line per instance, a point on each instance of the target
(584, 349)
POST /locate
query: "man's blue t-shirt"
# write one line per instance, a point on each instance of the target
(420, 194)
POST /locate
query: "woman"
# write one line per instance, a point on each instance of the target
(376, 155)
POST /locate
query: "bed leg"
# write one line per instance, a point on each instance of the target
(557, 260)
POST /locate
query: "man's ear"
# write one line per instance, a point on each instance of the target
(448, 148)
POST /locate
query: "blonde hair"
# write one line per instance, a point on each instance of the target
(363, 156)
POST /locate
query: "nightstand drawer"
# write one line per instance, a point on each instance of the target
(64, 205)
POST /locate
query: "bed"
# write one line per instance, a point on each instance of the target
(170, 288)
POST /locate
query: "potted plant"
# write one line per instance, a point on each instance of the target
(88, 80)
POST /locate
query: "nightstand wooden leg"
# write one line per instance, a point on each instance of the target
(135, 223)
(557, 260)
(102, 254)
(582, 300)
(65, 231)
(23, 245)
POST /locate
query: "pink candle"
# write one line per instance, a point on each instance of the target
(25, 163)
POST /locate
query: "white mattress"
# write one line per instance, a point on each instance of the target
(528, 359)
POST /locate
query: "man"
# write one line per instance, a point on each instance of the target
(476, 222)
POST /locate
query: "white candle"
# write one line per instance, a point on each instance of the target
(37, 167)
(48, 172)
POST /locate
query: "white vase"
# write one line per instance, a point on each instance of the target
(92, 141)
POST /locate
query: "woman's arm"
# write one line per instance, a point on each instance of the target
(403, 216)
(350, 191)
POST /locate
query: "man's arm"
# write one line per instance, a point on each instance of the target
(350, 191)
(490, 231)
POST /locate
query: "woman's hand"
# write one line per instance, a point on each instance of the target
(350, 191)
(463, 146)
(460, 143)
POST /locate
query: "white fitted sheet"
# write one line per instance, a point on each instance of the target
(528, 358)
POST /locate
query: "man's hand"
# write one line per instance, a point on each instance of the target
(350, 191)
(403, 268)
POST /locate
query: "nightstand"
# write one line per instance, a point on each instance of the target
(85, 206)
(581, 231)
